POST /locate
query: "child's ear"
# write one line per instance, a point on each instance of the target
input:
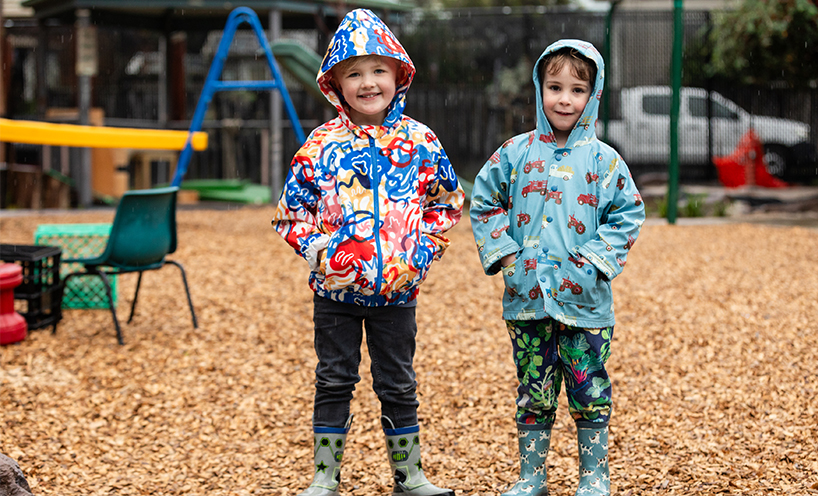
(402, 74)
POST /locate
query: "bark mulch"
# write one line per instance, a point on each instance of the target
(714, 370)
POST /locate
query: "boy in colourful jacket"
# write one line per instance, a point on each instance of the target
(367, 202)
(556, 210)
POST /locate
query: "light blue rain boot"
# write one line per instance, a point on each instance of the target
(534, 441)
(594, 475)
(328, 452)
(403, 446)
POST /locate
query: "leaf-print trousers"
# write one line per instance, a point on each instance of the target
(546, 352)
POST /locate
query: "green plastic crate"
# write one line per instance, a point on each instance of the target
(79, 241)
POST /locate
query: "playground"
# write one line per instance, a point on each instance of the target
(713, 366)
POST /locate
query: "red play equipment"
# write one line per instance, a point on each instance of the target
(13, 327)
(745, 166)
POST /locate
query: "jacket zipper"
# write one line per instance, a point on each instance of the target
(373, 159)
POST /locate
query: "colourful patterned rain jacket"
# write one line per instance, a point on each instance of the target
(367, 206)
(550, 206)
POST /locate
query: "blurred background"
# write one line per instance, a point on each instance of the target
(748, 64)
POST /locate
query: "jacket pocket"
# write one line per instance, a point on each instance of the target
(580, 284)
(514, 279)
(347, 264)
(403, 270)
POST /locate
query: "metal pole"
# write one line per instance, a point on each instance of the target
(276, 138)
(676, 83)
(606, 100)
(84, 80)
(162, 83)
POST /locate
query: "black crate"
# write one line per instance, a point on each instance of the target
(39, 296)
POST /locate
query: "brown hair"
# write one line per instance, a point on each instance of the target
(352, 62)
(581, 66)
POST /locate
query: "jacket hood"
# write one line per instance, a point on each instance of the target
(585, 130)
(361, 32)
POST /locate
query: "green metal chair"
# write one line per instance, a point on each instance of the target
(143, 233)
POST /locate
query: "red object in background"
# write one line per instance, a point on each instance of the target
(13, 327)
(745, 166)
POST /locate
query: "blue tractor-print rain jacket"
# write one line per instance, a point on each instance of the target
(551, 206)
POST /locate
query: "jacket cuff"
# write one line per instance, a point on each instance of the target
(311, 252)
(491, 264)
(601, 264)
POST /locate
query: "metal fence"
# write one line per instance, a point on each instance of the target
(473, 88)
(492, 51)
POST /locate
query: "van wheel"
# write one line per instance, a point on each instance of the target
(776, 159)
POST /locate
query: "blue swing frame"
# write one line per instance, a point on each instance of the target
(213, 83)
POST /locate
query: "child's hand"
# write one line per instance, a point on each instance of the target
(508, 260)
(322, 256)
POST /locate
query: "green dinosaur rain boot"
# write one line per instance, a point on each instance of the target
(534, 442)
(403, 446)
(594, 475)
(328, 452)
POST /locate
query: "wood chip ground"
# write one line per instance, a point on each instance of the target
(714, 365)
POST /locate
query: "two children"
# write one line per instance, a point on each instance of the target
(556, 211)
(367, 202)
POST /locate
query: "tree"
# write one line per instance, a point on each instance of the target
(766, 41)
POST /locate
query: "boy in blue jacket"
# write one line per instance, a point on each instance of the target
(367, 203)
(556, 210)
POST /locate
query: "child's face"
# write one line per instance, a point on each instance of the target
(564, 97)
(368, 88)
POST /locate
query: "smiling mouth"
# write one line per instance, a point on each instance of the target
(370, 96)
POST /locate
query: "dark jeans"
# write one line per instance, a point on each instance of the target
(390, 337)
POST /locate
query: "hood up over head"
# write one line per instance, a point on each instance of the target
(585, 129)
(361, 32)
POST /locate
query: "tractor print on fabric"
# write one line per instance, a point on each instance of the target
(535, 292)
(568, 284)
(554, 194)
(497, 232)
(535, 187)
(529, 264)
(486, 216)
(591, 178)
(523, 218)
(588, 200)
(629, 244)
(535, 164)
(578, 225)
(580, 264)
